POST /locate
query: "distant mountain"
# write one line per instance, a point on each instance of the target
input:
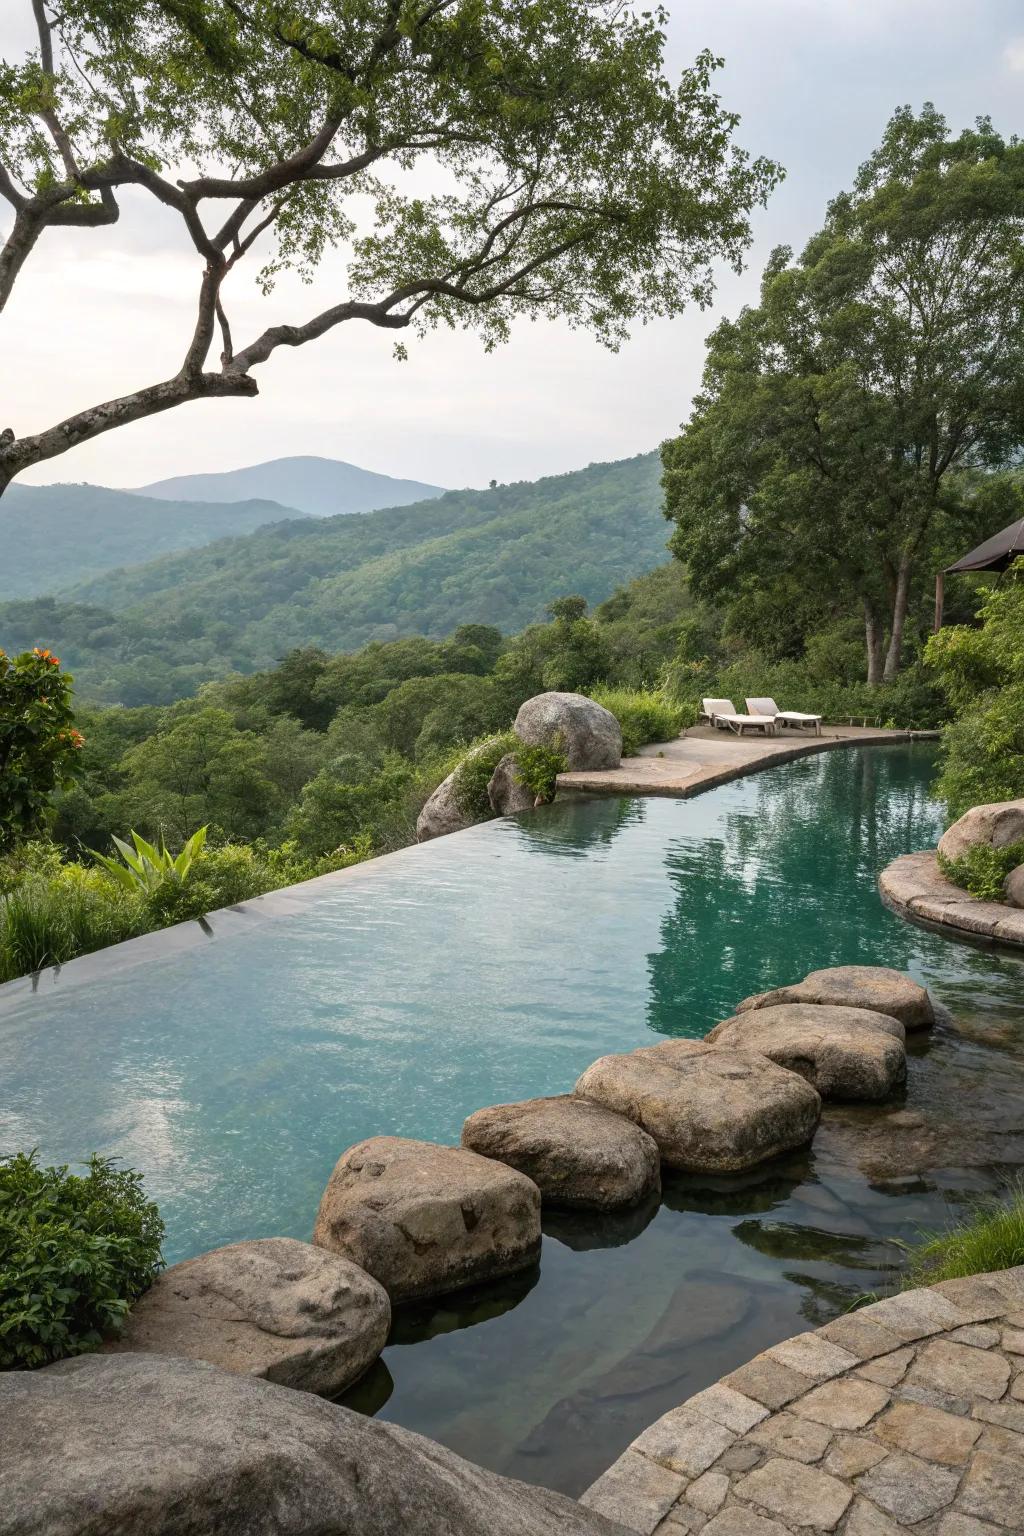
(53, 535)
(321, 487)
(498, 557)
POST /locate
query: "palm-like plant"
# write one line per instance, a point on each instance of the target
(146, 867)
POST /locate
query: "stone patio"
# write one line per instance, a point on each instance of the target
(905, 1415)
(702, 758)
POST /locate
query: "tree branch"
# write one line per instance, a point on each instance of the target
(17, 454)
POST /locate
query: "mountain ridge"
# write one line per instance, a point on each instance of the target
(316, 485)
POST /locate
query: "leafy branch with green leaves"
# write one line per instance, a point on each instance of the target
(478, 160)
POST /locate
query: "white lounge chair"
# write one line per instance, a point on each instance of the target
(794, 717)
(721, 714)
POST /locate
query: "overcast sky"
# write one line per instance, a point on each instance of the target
(814, 81)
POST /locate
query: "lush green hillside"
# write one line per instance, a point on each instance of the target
(321, 487)
(494, 557)
(53, 535)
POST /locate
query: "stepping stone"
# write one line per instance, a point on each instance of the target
(424, 1219)
(577, 1153)
(710, 1111)
(845, 1053)
(275, 1308)
(874, 987)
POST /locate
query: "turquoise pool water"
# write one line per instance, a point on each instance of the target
(494, 965)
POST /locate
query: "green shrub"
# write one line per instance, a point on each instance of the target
(474, 773)
(538, 768)
(990, 1237)
(982, 869)
(75, 1252)
(983, 753)
(645, 715)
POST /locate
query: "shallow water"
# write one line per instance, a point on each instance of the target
(496, 965)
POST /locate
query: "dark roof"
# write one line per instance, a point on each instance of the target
(1001, 550)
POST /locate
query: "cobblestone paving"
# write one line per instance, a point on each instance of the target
(906, 1415)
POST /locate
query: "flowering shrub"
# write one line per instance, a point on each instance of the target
(39, 744)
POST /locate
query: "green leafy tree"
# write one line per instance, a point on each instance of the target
(825, 454)
(39, 742)
(574, 181)
(199, 770)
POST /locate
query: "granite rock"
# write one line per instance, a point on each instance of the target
(274, 1307)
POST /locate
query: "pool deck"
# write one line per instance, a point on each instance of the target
(907, 1414)
(702, 758)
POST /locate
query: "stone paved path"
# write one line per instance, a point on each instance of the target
(905, 1415)
(701, 758)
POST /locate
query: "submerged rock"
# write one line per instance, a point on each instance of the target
(997, 824)
(576, 1152)
(424, 1219)
(875, 987)
(275, 1308)
(142, 1443)
(846, 1053)
(505, 793)
(586, 732)
(710, 1111)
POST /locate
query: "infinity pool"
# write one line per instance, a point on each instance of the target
(235, 1063)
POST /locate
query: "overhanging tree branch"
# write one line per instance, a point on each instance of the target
(579, 184)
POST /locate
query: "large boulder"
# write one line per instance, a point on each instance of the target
(274, 1307)
(424, 1219)
(710, 1111)
(998, 825)
(445, 811)
(846, 1053)
(586, 732)
(577, 1153)
(506, 794)
(875, 987)
(139, 1445)
(1013, 887)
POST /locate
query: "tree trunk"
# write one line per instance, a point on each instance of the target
(894, 654)
(873, 637)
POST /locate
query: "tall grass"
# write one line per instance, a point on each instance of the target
(50, 920)
(990, 1237)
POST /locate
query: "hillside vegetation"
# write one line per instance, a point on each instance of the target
(56, 535)
(156, 632)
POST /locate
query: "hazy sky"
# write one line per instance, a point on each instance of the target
(814, 81)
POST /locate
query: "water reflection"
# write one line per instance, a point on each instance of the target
(579, 827)
(786, 885)
(584, 1231)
